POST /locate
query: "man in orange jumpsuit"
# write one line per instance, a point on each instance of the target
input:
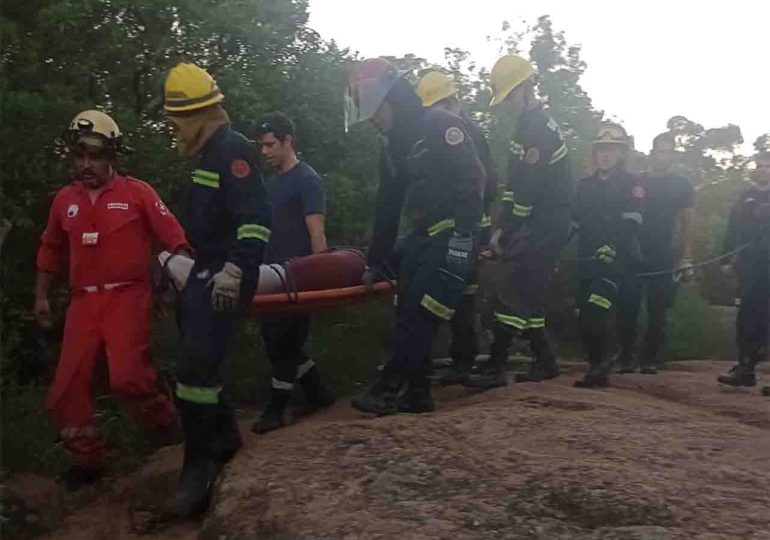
(104, 223)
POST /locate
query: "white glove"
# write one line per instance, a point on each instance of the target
(227, 287)
(686, 270)
(494, 242)
(177, 269)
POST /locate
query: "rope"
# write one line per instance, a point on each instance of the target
(673, 270)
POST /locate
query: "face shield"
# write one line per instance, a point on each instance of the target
(363, 98)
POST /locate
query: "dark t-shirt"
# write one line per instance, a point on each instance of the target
(292, 196)
(665, 197)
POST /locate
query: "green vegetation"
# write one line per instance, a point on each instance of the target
(63, 56)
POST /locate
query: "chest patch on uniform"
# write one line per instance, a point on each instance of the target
(161, 208)
(454, 136)
(72, 211)
(240, 168)
(638, 192)
(117, 206)
(532, 156)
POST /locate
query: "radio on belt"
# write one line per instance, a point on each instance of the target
(90, 238)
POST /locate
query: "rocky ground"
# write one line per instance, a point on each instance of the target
(654, 457)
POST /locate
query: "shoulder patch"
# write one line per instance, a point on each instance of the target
(161, 208)
(240, 168)
(532, 156)
(552, 125)
(638, 192)
(454, 136)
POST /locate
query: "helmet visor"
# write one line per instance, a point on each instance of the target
(362, 100)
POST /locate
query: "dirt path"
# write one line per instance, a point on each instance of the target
(672, 456)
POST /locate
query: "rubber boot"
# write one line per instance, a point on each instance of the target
(544, 365)
(625, 360)
(492, 374)
(193, 491)
(597, 375)
(78, 476)
(455, 373)
(765, 391)
(274, 415)
(464, 345)
(417, 398)
(742, 373)
(318, 395)
(380, 397)
(228, 435)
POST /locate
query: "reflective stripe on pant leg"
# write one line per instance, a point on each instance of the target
(600, 301)
(305, 367)
(536, 323)
(437, 308)
(198, 394)
(511, 321)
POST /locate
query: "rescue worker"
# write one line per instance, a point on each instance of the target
(669, 204)
(437, 90)
(750, 223)
(428, 159)
(227, 223)
(608, 214)
(103, 223)
(533, 227)
(298, 204)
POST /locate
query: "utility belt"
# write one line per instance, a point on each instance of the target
(105, 287)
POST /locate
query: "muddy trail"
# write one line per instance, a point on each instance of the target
(653, 457)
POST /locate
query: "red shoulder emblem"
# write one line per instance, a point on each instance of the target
(532, 156)
(240, 168)
(638, 192)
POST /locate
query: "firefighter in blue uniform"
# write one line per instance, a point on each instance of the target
(750, 223)
(437, 89)
(227, 226)
(429, 161)
(608, 214)
(532, 229)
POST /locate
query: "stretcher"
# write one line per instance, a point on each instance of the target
(320, 282)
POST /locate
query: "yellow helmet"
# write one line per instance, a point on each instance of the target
(508, 73)
(189, 87)
(93, 128)
(611, 133)
(435, 86)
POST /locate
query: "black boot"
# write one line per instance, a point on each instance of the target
(544, 365)
(417, 398)
(380, 397)
(77, 477)
(228, 439)
(765, 391)
(274, 415)
(742, 373)
(198, 470)
(625, 360)
(193, 492)
(492, 374)
(455, 373)
(318, 395)
(597, 375)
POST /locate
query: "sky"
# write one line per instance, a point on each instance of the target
(647, 60)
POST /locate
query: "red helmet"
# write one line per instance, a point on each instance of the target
(368, 83)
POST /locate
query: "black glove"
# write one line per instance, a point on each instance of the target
(459, 251)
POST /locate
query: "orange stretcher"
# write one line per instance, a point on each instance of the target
(323, 300)
(320, 282)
